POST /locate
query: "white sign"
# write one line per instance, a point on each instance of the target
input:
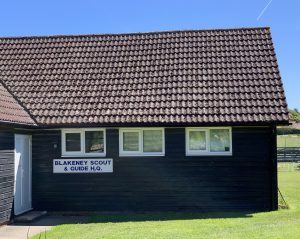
(82, 165)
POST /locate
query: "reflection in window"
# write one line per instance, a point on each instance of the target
(94, 142)
(73, 142)
(152, 140)
(131, 141)
(219, 140)
(197, 140)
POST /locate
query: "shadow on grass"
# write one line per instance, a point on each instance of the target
(161, 216)
(98, 217)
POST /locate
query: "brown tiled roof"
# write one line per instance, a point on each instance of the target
(11, 111)
(187, 77)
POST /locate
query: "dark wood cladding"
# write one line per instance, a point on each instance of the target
(6, 174)
(174, 182)
(274, 173)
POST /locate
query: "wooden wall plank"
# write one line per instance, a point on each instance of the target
(173, 182)
(6, 174)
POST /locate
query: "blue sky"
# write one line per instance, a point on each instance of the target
(42, 17)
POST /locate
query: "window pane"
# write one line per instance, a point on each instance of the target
(94, 142)
(152, 140)
(197, 140)
(130, 141)
(219, 140)
(73, 142)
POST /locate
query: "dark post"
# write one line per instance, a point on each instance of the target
(273, 167)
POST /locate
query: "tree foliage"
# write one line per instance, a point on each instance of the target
(294, 115)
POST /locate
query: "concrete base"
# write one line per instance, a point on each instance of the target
(29, 216)
(27, 230)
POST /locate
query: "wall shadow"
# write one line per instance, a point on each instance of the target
(60, 219)
(162, 216)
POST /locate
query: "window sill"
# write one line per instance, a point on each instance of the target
(141, 155)
(83, 155)
(209, 154)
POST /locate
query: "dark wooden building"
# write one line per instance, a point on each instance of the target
(161, 121)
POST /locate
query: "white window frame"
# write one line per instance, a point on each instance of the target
(82, 152)
(123, 153)
(206, 152)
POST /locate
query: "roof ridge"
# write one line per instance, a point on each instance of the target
(134, 33)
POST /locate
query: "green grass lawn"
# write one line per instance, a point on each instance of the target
(289, 140)
(279, 224)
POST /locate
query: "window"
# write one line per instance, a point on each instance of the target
(131, 141)
(197, 140)
(208, 141)
(73, 142)
(152, 141)
(83, 142)
(219, 140)
(142, 142)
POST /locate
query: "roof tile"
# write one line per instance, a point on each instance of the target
(11, 111)
(200, 76)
